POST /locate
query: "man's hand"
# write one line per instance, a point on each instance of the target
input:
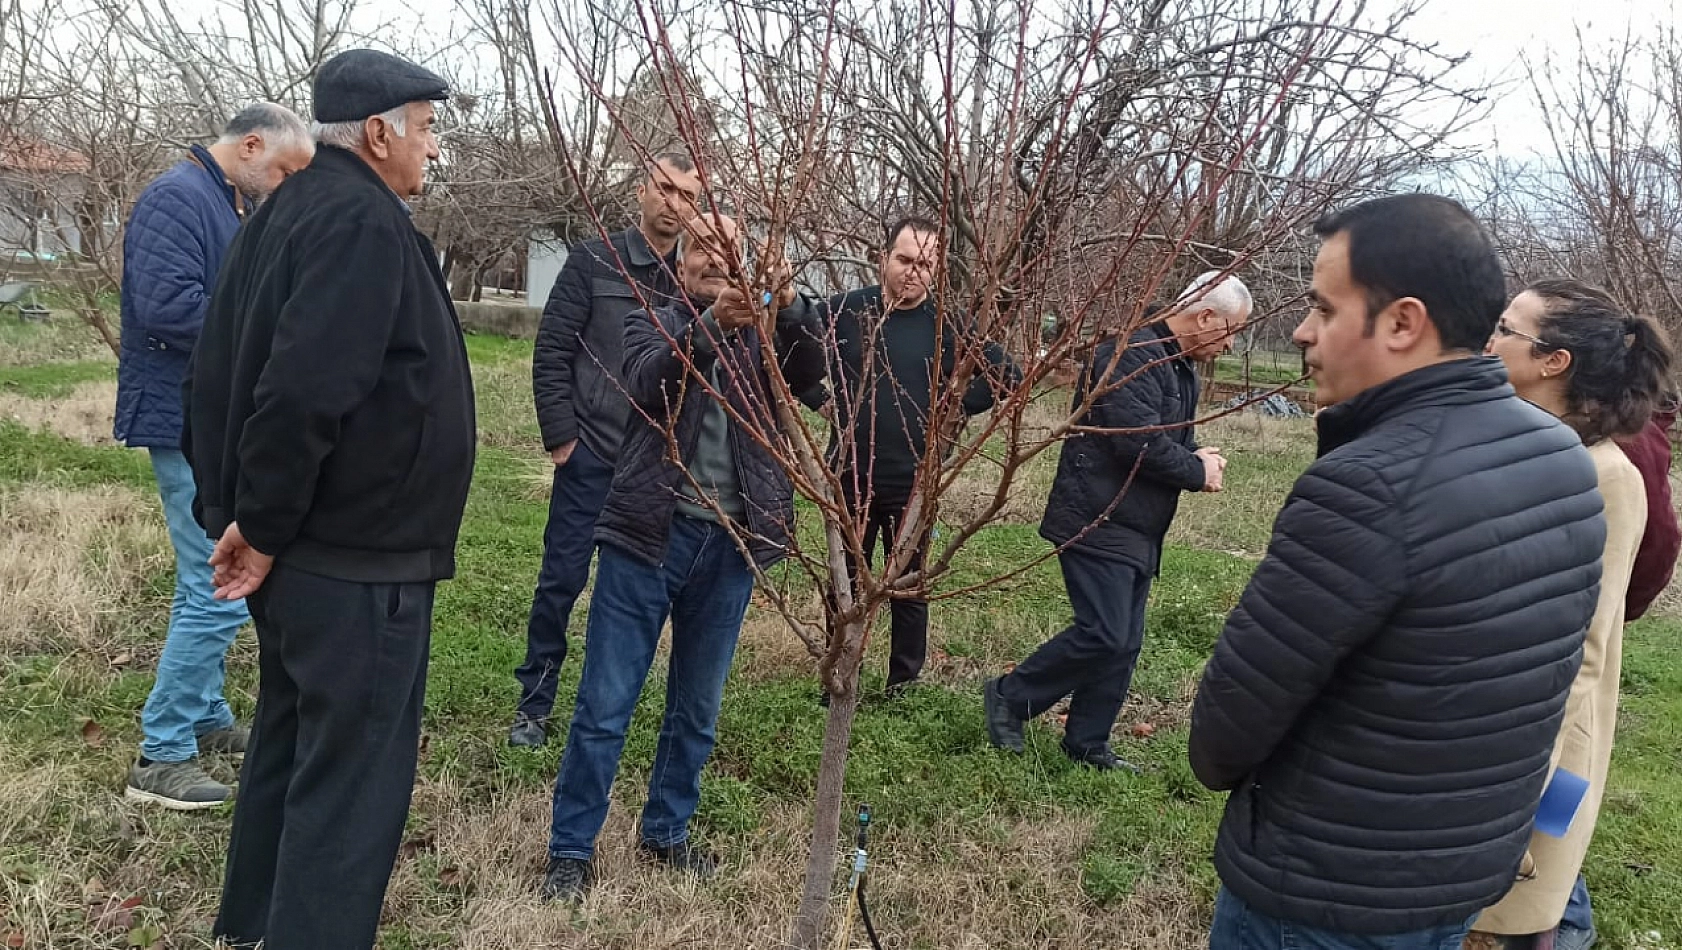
(562, 452)
(733, 310)
(1214, 468)
(238, 568)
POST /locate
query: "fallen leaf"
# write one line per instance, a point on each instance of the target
(416, 845)
(14, 940)
(146, 937)
(116, 914)
(121, 660)
(1010, 667)
(93, 733)
(452, 877)
(1143, 730)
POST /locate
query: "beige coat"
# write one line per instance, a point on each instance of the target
(1537, 902)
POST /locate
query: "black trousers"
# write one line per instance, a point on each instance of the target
(909, 618)
(325, 788)
(1093, 660)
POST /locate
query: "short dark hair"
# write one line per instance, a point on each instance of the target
(1430, 248)
(678, 160)
(911, 223)
(1620, 362)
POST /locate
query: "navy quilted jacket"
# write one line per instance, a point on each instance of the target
(1385, 697)
(177, 235)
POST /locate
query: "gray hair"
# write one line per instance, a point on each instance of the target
(277, 126)
(350, 135)
(1227, 296)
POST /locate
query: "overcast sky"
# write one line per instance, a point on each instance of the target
(1500, 33)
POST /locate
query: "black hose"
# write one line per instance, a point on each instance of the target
(864, 915)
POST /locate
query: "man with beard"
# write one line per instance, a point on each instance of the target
(896, 355)
(176, 237)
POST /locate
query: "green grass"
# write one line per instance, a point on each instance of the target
(62, 338)
(1259, 368)
(51, 380)
(973, 847)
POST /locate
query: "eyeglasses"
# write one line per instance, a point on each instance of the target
(1503, 328)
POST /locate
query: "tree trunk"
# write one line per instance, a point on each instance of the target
(806, 931)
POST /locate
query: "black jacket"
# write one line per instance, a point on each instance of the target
(330, 406)
(1384, 699)
(641, 503)
(885, 447)
(581, 338)
(1122, 490)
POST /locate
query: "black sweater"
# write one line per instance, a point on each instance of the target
(329, 402)
(883, 398)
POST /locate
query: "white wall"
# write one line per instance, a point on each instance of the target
(544, 257)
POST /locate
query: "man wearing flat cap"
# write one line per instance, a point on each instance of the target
(331, 434)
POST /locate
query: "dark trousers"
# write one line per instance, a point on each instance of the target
(909, 618)
(576, 500)
(325, 788)
(1093, 660)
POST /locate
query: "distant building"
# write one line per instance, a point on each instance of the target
(42, 188)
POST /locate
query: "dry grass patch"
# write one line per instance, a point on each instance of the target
(471, 878)
(75, 565)
(85, 415)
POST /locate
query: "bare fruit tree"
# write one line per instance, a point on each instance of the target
(1604, 203)
(1082, 162)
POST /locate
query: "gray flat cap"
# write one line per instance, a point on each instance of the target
(360, 83)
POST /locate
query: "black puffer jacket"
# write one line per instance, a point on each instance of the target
(640, 505)
(1384, 698)
(1122, 490)
(582, 333)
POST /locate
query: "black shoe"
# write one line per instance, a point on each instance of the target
(1103, 759)
(1003, 729)
(901, 689)
(527, 732)
(682, 857)
(567, 880)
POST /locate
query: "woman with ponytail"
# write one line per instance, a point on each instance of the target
(1572, 351)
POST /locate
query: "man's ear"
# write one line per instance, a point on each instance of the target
(379, 135)
(1405, 324)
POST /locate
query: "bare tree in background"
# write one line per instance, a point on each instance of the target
(1081, 161)
(1605, 203)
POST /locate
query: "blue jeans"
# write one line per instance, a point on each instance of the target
(704, 586)
(580, 490)
(186, 701)
(1237, 926)
(1576, 928)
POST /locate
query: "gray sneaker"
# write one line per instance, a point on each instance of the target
(229, 741)
(178, 786)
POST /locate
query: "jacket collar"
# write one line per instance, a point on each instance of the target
(1458, 382)
(338, 161)
(636, 243)
(1156, 333)
(240, 204)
